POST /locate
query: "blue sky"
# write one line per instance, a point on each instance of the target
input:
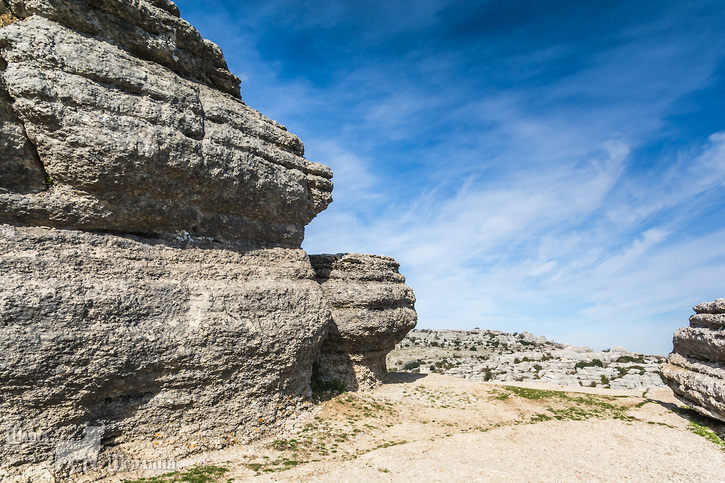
(554, 167)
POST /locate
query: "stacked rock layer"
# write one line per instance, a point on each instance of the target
(372, 310)
(695, 370)
(115, 120)
(151, 275)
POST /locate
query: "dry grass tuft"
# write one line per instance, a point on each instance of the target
(6, 19)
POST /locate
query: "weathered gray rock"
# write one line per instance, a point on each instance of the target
(186, 339)
(130, 146)
(148, 29)
(695, 370)
(152, 286)
(372, 310)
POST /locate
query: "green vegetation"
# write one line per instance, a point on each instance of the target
(412, 365)
(569, 406)
(335, 386)
(699, 425)
(592, 363)
(198, 474)
(627, 359)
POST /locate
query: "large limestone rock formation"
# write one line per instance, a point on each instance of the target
(695, 370)
(149, 337)
(117, 122)
(151, 276)
(372, 310)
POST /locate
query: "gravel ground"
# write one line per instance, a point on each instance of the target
(441, 428)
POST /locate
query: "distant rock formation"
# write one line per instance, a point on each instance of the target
(695, 370)
(151, 277)
(490, 355)
(372, 310)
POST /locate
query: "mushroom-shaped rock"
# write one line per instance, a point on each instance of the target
(372, 310)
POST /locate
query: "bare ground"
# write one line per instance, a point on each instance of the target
(441, 428)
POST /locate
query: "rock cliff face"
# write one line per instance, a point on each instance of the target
(151, 276)
(372, 310)
(695, 370)
(151, 337)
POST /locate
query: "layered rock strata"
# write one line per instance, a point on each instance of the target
(152, 283)
(695, 370)
(116, 122)
(187, 339)
(372, 310)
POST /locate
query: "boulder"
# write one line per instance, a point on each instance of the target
(372, 310)
(695, 370)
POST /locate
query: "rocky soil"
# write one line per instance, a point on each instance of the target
(438, 428)
(486, 355)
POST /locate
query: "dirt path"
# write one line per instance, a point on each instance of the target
(440, 428)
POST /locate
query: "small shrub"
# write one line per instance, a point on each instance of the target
(626, 359)
(592, 363)
(412, 365)
(322, 389)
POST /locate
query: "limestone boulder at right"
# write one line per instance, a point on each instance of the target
(695, 370)
(372, 310)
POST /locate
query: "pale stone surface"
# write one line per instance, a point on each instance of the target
(695, 370)
(372, 310)
(489, 355)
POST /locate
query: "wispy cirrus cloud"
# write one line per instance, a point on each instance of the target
(557, 169)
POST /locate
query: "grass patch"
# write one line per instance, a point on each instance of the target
(568, 406)
(698, 425)
(527, 393)
(198, 474)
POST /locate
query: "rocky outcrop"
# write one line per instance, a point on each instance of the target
(489, 355)
(695, 370)
(372, 310)
(116, 122)
(152, 286)
(189, 339)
